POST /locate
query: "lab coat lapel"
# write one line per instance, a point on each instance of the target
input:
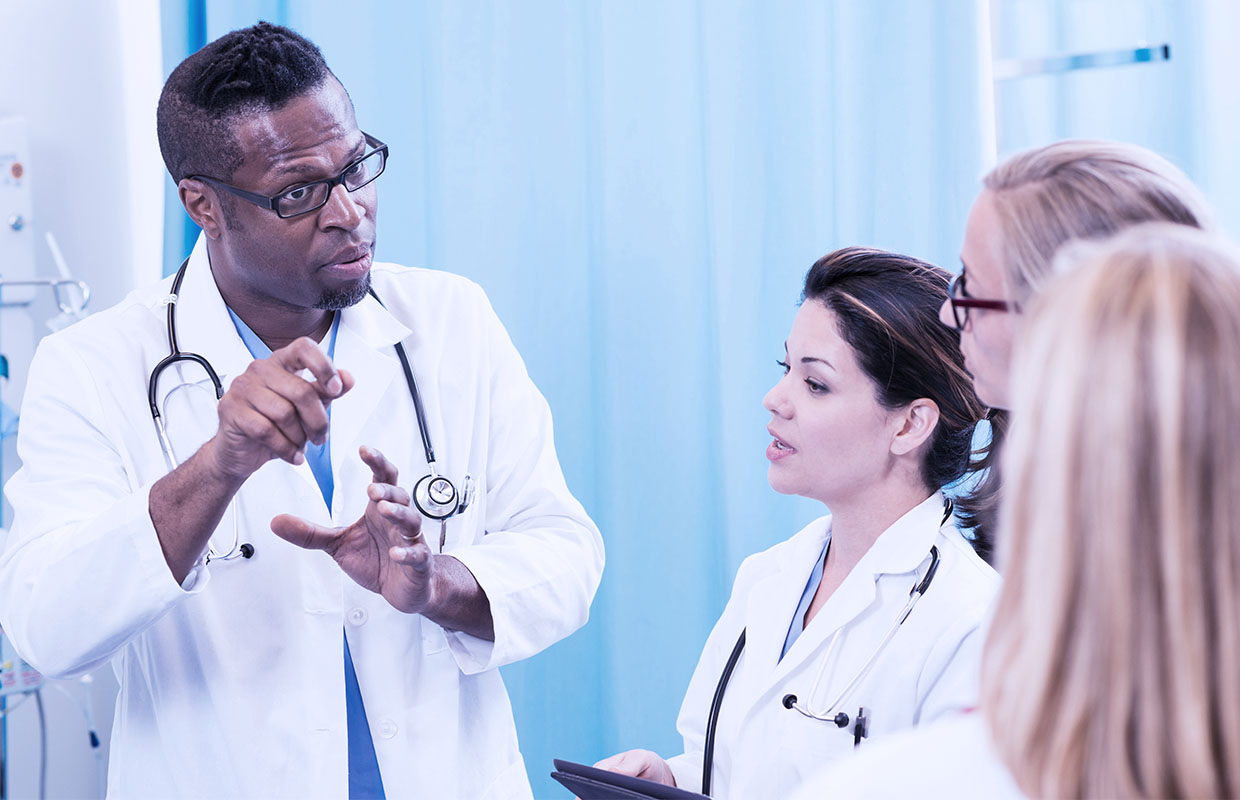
(898, 551)
(774, 600)
(364, 347)
(854, 596)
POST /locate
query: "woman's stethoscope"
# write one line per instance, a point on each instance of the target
(832, 713)
(435, 496)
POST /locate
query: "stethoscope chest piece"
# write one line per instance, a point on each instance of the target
(437, 498)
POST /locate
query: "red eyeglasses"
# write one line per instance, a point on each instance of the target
(961, 303)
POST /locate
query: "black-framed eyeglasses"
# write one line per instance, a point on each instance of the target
(314, 195)
(961, 303)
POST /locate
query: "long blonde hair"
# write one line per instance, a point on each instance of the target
(1082, 189)
(1112, 668)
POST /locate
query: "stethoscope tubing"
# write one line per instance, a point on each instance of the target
(708, 754)
(237, 550)
(830, 714)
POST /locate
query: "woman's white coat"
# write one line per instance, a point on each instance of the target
(928, 669)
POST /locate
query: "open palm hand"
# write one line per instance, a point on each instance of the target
(383, 551)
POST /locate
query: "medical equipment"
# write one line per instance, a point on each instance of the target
(841, 719)
(19, 682)
(72, 303)
(16, 212)
(237, 549)
(16, 676)
(832, 714)
(1142, 53)
(434, 495)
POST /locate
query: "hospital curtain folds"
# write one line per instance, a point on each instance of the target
(640, 187)
(184, 30)
(1184, 108)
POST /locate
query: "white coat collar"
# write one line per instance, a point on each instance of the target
(365, 347)
(204, 326)
(899, 550)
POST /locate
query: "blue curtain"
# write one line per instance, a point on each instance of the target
(640, 186)
(184, 29)
(1184, 108)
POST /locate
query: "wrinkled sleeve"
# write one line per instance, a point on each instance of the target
(541, 559)
(82, 570)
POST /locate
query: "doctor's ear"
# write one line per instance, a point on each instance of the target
(202, 203)
(917, 423)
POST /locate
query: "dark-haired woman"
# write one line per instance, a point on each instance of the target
(873, 416)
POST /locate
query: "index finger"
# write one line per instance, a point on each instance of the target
(382, 470)
(303, 353)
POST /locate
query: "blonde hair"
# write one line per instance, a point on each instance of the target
(1112, 668)
(1081, 189)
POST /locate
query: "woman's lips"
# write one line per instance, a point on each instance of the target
(778, 449)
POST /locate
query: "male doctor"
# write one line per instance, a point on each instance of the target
(282, 621)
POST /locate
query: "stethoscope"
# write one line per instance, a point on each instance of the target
(434, 495)
(832, 713)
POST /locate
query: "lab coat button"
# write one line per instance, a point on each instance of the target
(387, 729)
(357, 616)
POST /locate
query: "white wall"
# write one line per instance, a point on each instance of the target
(86, 75)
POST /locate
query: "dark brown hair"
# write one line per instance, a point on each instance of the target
(887, 306)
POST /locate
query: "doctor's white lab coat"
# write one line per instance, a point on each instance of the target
(952, 759)
(232, 684)
(928, 669)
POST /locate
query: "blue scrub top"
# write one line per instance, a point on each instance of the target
(807, 597)
(365, 782)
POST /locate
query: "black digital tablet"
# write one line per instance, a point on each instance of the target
(590, 783)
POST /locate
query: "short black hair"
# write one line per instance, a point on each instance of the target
(253, 69)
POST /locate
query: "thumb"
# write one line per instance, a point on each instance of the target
(304, 533)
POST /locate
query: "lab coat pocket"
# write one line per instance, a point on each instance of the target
(512, 782)
(810, 743)
(460, 531)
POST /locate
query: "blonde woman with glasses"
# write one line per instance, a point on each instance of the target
(1110, 669)
(1030, 205)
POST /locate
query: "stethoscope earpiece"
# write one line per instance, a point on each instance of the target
(841, 719)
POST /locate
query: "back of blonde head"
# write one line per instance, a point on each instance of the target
(1082, 189)
(1112, 668)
